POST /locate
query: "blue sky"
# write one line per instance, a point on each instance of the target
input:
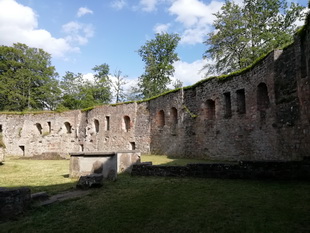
(80, 34)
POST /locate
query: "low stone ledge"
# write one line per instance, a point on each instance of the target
(92, 154)
(13, 202)
(295, 170)
(39, 197)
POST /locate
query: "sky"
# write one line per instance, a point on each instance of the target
(81, 34)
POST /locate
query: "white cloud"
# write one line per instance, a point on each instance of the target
(89, 77)
(302, 22)
(19, 23)
(159, 28)
(118, 4)
(189, 73)
(196, 17)
(195, 35)
(78, 33)
(148, 5)
(83, 11)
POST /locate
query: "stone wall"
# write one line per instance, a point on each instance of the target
(105, 128)
(260, 114)
(219, 119)
(34, 134)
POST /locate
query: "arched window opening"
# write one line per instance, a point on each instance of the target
(126, 123)
(39, 127)
(227, 102)
(160, 119)
(68, 127)
(23, 149)
(107, 123)
(96, 123)
(49, 126)
(241, 108)
(262, 97)
(210, 109)
(174, 116)
(132, 145)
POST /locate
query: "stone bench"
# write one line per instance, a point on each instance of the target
(109, 164)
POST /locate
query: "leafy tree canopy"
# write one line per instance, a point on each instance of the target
(244, 33)
(27, 79)
(79, 93)
(159, 56)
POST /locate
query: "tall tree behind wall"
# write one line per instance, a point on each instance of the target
(27, 79)
(244, 33)
(79, 93)
(159, 56)
(102, 86)
(118, 86)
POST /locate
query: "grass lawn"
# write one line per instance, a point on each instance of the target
(164, 160)
(51, 175)
(157, 204)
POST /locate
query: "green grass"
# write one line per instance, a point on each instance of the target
(156, 204)
(165, 160)
(51, 176)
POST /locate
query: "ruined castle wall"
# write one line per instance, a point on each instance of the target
(220, 119)
(292, 89)
(105, 128)
(34, 134)
(166, 114)
(260, 114)
(263, 114)
(115, 128)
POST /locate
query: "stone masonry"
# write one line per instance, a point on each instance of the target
(260, 114)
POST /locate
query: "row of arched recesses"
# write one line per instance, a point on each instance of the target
(262, 102)
(126, 124)
(161, 121)
(209, 107)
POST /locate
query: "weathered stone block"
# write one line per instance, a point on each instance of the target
(13, 202)
(90, 181)
(108, 164)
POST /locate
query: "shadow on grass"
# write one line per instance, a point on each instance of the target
(50, 189)
(162, 204)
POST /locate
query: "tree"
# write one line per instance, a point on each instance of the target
(117, 86)
(244, 33)
(72, 86)
(79, 93)
(177, 84)
(102, 85)
(27, 79)
(159, 56)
